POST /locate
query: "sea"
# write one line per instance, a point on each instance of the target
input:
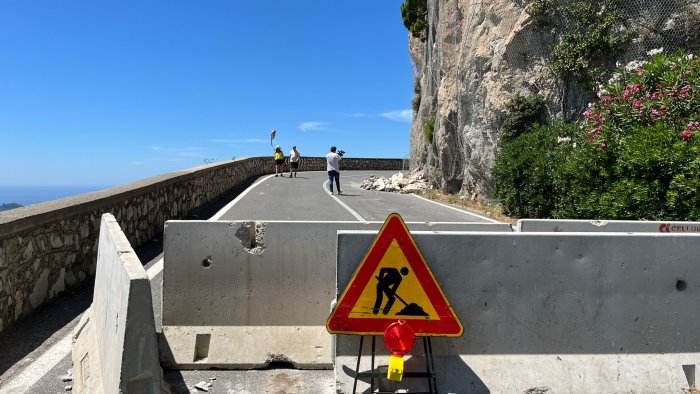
(28, 195)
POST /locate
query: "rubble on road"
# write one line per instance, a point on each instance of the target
(203, 386)
(398, 183)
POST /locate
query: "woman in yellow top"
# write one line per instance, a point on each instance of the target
(279, 161)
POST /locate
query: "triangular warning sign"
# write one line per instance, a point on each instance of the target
(393, 282)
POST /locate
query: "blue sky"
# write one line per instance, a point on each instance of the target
(109, 92)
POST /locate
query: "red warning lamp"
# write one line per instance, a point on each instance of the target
(399, 339)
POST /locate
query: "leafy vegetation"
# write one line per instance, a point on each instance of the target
(429, 128)
(415, 17)
(586, 35)
(522, 113)
(634, 155)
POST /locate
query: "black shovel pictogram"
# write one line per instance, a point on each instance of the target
(389, 280)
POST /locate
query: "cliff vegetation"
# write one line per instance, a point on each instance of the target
(502, 90)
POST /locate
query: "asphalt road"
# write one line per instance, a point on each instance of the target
(306, 197)
(35, 355)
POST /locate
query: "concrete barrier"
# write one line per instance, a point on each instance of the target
(584, 226)
(244, 294)
(556, 312)
(115, 345)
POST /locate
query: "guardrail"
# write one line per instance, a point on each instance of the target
(47, 248)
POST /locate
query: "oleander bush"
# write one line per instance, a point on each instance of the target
(525, 169)
(635, 154)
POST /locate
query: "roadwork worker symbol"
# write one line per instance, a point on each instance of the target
(388, 282)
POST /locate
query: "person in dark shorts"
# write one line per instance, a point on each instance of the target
(294, 157)
(279, 161)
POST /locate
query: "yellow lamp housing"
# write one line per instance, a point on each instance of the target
(395, 371)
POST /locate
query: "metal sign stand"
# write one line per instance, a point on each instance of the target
(429, 375)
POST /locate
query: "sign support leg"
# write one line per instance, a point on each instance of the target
(429, 373)
(371, 381)
(430, 364)
(357, 368)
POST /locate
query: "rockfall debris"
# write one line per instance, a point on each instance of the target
(398, 183)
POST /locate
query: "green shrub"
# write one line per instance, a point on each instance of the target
(526, 168)
(414, 14)
(429, 128)
(522, 113)
(634, 155)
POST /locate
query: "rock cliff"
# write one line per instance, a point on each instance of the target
(479, 54)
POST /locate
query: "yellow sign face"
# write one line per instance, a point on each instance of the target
(395, 292)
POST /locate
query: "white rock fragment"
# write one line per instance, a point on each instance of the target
(69, 376)
(203, 386)
(396, 183)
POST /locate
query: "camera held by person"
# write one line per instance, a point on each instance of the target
(341, 152)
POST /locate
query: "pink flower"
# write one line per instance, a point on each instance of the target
(640, 72)
(686, 135)
(601, 146)
(598, 130)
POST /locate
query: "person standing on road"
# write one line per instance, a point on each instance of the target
(294, 157)
(279, 161)
(333, 167)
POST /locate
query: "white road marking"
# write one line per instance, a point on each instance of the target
(230, 205)
(342, 204)
(457, 209)
(155, 269)
(44, 363)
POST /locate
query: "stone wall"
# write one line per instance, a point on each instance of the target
(47, 248)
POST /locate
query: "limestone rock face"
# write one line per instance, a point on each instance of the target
(477, 56)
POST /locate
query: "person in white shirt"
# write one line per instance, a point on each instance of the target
(333, 167)
(294, 157)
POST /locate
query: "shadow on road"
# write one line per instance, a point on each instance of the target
(27, 334)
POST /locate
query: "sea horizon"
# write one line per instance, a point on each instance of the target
(34, 194)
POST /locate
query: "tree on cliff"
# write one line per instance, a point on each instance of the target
(414, 14)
